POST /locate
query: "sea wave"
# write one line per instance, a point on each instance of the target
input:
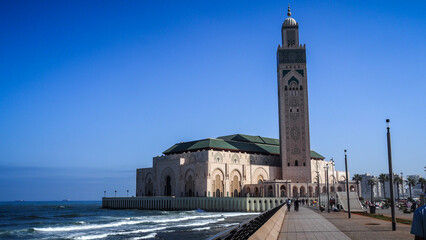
(98, 236)
(140, 220)
(87, 227)
(151, 235)
(228, 224)
(70, 216)
(162, 220)
(200, 223)
(201, 229)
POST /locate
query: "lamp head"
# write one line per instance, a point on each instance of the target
(388, 123)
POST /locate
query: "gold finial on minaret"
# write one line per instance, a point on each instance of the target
(289, 11)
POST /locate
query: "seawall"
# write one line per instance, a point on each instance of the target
(213, 204)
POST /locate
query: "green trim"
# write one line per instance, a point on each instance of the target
(293, 79)
(301, 72)
(285, 72)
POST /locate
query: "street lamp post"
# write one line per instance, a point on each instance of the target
(327, 186)
(318, 193)
(307, 191)
(347, 185)
(333, 164)
(392, 197)
(402, 184)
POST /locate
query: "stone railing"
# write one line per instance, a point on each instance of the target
(265, 226)
(219, 204)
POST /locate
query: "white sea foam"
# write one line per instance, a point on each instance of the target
(139, 220)
(162, 220)
(90, 237)
(238, 214)
(228, 224)
(88, 227)
(151, 235)
(200, 223)
(201, 229)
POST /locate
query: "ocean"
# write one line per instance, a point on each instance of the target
(87, 220)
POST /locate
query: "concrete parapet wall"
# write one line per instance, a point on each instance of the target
(224, 204)
(271, 229)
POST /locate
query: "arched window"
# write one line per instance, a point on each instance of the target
(296, 163)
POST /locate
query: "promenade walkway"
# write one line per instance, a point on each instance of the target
(307, 224)
(311, 224)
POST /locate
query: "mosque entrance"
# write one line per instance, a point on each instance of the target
(149, 188)
(189, 186)
(168, 187)
(283, 191)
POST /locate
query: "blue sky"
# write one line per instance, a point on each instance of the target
(90, 91)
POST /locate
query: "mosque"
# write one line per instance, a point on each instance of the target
(241, 165)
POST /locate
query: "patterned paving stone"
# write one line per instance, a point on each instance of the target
(306, 225)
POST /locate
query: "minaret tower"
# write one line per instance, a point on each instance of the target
(293, 104)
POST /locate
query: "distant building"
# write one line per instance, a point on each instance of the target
(377, 188)
(416, 190)
(366, 188)
(241, 165)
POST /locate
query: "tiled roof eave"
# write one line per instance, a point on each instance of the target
(222, 149)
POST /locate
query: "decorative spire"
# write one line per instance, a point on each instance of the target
(289, 11)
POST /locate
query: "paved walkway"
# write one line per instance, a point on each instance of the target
(311, 224)
(307, 224)
(362, 227)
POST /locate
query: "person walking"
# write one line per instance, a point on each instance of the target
(296, 205)
(418, 227)
(288, 203)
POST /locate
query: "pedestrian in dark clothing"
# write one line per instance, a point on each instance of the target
(296, 205)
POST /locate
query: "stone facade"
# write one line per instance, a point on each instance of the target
(207, 173)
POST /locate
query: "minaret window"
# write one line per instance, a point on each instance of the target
(296, 163)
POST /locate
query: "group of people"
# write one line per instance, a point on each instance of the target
(296, 202)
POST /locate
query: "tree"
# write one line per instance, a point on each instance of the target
(372, 182)
(411, 182)
(422, 183)
(383, 178)
(397, 181)
(357, 178)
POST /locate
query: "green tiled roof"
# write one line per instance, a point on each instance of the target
(236, 142)
(316, 155)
